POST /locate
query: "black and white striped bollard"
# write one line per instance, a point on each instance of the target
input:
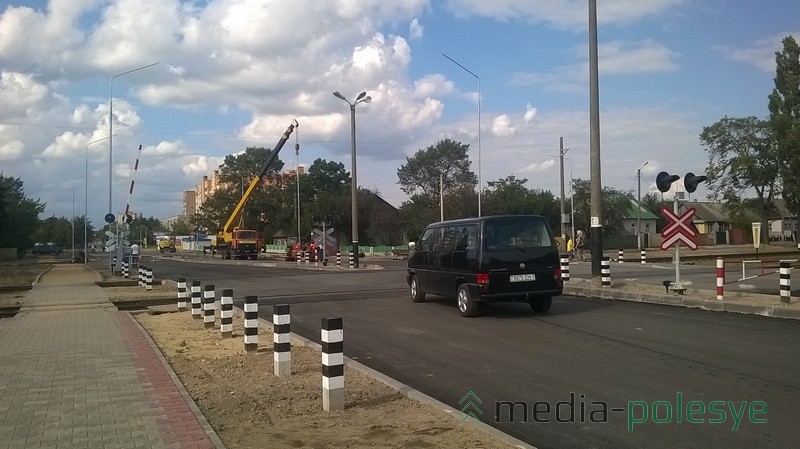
(621, 256)
(149, 275)
(141, 275)
(125, 269)
(643, 256)
(565, 267)
(196, 300)
(181, 294)
(786, 282)
(251, 323)
(282, 340)
(605, 271)
(338, 258)
(352, 259)
(226, 313)
(332, 364)
(114, 266)
(208, 306)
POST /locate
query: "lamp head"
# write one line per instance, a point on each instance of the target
(361, 95)
(338, 95)
(366, 99)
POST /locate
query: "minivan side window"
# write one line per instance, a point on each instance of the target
(466, 237)
(426, 241)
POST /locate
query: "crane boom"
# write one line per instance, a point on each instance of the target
(243, 243)
(254, 183)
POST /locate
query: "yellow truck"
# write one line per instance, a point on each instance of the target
(166, 244)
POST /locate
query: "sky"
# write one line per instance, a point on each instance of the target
(234, 73)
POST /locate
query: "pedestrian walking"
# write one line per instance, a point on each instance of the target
(134, 256)
(580, 242)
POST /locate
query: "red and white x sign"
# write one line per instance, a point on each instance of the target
(679, 229)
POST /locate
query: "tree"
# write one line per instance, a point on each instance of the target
(615, 204)
(510, 196)
(448, 158)
(653, 203)
(743, 158)
(19, 215)
(784, 120)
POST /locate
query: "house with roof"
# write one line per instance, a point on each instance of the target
(631, 216)
(784, 225)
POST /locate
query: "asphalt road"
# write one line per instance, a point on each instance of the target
(628, 356)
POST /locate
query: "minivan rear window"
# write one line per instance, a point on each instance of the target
(520, 233)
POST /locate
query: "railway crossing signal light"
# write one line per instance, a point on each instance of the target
(690, 181)
(664, 180)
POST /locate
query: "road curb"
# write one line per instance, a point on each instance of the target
(777, 310)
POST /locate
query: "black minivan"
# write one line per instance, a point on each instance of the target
(504, 258)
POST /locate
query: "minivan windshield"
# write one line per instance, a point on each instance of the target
(517, 233)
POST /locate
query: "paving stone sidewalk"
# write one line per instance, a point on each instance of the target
(76, 372)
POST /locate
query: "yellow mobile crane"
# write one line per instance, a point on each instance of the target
(235, 242)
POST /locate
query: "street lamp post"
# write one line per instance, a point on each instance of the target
(480, 185)
(111, 124)
(362, 98)
(86, 202)
(639, 205)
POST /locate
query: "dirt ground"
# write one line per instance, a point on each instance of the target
(249, 407)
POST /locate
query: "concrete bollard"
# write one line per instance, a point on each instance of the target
(149, 275)
(226, 313)
(196, 301)
(786, 282)
(565, 267)
(114, 266)
(251, 323)
(621, 256)
(181, 294)
(605, 271)
(352, 259)
(332, 364)
(125, 269)
(282, 340)
(141, 275)
(643, 256)
(338, 259)
(720, 278)
(208, 306)
(307, 256)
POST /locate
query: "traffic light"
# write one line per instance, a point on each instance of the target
(690, 181)
(664, 180)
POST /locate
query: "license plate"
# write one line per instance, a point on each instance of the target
(522, 277)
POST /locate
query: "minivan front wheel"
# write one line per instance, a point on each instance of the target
(542, 305)
(417, 295)
(466, 305)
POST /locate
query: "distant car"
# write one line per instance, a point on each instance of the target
(46, 248)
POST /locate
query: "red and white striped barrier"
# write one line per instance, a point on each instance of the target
(720, 278)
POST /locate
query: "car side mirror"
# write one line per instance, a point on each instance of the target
(411, 246)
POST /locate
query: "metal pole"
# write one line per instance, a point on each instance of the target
(561, 162)
(86, 209)
(441, 197)
(73, 220)
(297, 174)
(596, 218)
(354, 186)
(678, 285)
(639, 206)
(480, 183)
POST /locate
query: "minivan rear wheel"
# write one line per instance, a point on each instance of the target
(417, 295)
(542, 305)
(466, 305)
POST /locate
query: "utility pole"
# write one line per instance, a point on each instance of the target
(639, 206)
(441, 197)
(595, 184)
(561, 153)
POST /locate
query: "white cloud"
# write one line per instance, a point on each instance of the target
(11, 150)
(501, 126)
(760, 54)
(530, 113)
(415, 29)
(538, 167)
(433, 86)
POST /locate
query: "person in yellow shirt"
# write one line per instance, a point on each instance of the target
(570, 248)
